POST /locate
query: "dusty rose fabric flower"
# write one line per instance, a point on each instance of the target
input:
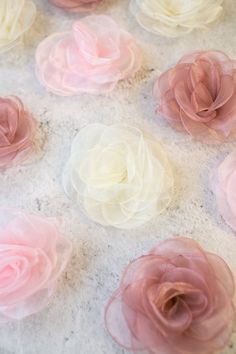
(32, 255)
(77, 5)
(17, 130)
(175, 300)
(91, 58)
(198, 96)
(223, 184)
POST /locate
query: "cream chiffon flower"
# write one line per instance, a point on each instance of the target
(16, 17)
(173, 18)
(120, 175)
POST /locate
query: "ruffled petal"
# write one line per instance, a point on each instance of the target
(125, 193)
(91, 58)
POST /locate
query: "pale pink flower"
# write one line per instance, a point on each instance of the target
(223, 184)
(33, 254)
(91, 58)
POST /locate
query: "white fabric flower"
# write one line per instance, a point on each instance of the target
(16, 17)
(173, 18)
(120, 175)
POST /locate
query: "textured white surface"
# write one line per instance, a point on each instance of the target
(73, 323)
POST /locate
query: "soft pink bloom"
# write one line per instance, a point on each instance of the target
(76, 5)
(17, 130)
(91, 58)
(198, 96)
(175, 300)
(32, 256)
(223, 184)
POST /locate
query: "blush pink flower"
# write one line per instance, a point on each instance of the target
(91, 58)
(17, 130)
(223, 185)
(32, 256)
(77, 5)
(198, 96)
(175, 300)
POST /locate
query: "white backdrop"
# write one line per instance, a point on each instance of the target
(73, 323)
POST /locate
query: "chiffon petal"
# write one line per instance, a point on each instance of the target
(177, 299)
(198, 96)
(91, 58)
(120, 175)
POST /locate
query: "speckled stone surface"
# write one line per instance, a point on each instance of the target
(73, 323)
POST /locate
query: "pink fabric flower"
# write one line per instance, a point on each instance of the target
(32, 256)
(198, 96)
(223, 184)
(17, 130)
(175, 300)
(91, 58)
(77, 5)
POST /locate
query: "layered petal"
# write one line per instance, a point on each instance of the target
(76, 5)
(91, 58)
(175, 18)
(32, 256)
(222, 183)
(120, 175)
(17, 130)
(16, 17)
(198, 96)
(177, 299)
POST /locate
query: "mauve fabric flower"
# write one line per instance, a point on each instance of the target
(32, 256)
(177, 299)
(16, 17)
(223, 185)
(17, 130)
(91, 58)
(198, 96)
(77, 5)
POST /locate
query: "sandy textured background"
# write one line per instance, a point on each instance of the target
(73, 323)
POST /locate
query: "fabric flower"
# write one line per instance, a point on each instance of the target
(120, 175)
(91, 58)
(17, 130)
(177, 299)
(77, 5)
(223, 185)
(173, 18)
(198, 96)
(16, 17)
(32, 255)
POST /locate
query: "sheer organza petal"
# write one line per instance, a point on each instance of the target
(32, 256)
(175, 18)
(16, 17)
(91, 58)
(198, 96)
(17, 130)
(177, 299)
(120, 175)
(222, 183)
(76, 5)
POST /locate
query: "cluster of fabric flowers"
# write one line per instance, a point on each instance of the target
(91, 58)
(173, 18)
